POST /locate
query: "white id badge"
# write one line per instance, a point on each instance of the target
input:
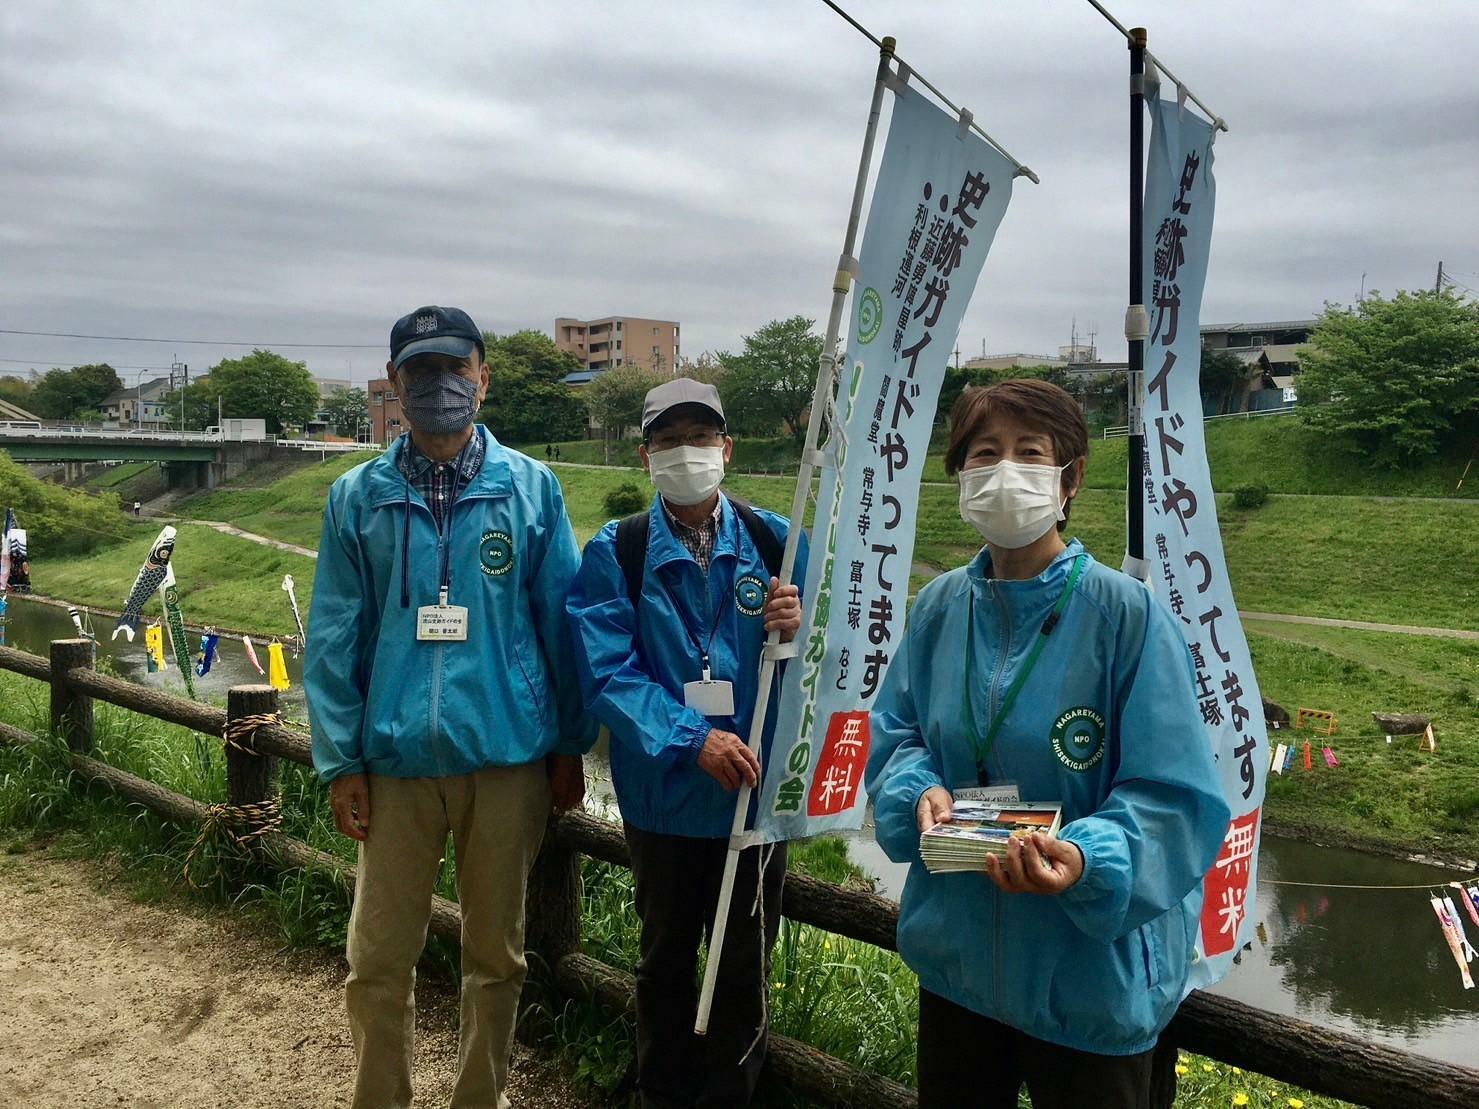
(709, 698)
(441, 624)
(1003, 793)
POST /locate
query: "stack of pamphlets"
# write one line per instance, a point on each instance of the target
(978, 829)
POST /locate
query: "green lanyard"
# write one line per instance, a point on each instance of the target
(983, 744)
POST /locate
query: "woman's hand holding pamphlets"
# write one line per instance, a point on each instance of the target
(1015, 844)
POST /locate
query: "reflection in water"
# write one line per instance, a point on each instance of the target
(1370, 962)
(32, 625)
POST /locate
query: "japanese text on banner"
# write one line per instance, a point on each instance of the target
(1182, 540)
(938, 199)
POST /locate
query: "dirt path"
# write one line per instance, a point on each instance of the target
(1359, 625)
(230, 529)
(108, 1002)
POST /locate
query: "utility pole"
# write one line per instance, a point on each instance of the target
(1438, 284)
(179, 378)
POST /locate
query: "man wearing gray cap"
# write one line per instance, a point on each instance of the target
(670, 609)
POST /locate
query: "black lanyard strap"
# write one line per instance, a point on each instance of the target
(444, 570)
(701, 648)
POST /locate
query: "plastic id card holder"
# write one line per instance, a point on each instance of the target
(709, 698)
(441, 624)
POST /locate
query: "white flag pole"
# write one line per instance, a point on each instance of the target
(810, 459)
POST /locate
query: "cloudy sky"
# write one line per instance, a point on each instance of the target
(286, 173)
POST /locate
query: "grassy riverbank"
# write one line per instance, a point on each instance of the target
(1279, 452)
(222, 579)
(1321, 556)
(847, 998)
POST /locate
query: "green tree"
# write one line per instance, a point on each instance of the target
(17, 391)
(614, 399)
(61, 394)
(348, 411)
(530, 350)
(1223, 375)
(772, 380)
(264, 385)
(528, 400)
(706, 368)
(201, 406)
(1396, 379)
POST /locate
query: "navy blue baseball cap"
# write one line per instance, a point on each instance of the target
(434, 330)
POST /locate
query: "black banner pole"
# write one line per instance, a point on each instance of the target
(1136, 320)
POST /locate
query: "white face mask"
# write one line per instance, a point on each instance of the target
(1012, 504)
(687, 475)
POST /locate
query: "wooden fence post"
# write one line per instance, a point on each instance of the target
(552, 914)
(551, 928)
(71, 712)
(251, 779)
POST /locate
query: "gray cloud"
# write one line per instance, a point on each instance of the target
(296, 173)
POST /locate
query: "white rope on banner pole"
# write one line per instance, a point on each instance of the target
(1022, 171)
(1217, 121)
(826, 373)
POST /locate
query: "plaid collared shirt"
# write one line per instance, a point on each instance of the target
(700, 540)
(433, 480)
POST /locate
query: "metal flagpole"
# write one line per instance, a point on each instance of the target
(811, 458)
(1137, 322)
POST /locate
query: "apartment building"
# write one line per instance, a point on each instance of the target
(618, 341)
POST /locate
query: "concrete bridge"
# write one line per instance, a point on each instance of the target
(191, 459)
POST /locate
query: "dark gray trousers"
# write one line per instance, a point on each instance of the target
(677, 880)
(968, 1061)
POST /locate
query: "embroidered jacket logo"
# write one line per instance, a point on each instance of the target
(749, 595)
(496, 553)
(1078, 738)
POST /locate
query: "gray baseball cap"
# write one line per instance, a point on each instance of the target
(679, 391)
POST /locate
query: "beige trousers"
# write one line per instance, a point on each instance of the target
(496, 818)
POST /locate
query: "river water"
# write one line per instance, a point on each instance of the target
(1367, 961)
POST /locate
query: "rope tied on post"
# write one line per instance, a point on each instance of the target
(257, 818)
(241, 733)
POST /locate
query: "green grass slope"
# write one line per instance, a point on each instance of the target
(222, 580)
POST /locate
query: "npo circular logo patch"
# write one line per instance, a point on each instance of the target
(496, 553)
(1078, 738)
(749, 595)
(870, 315)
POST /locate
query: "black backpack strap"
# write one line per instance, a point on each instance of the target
(631, 552)
(767, 543)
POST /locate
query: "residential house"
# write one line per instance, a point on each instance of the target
(139, 406)
(1270, 351)
(386, 415)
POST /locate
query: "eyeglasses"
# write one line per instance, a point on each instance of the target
(698, 437)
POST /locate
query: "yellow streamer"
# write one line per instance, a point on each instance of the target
(154, 646)
(277, 667)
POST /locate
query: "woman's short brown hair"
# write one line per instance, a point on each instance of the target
(1038, 405)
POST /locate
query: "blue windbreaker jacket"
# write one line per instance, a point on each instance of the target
(382, 702)
(1107, 724)
(633, 665)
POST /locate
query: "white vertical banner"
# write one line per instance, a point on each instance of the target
(1182, 542)
(939, 197)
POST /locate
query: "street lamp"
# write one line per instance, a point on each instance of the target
(139, 397)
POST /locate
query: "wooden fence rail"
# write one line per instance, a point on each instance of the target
(1330, 1063)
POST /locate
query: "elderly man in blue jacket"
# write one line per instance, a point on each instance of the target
(671, 608)
(442, 697)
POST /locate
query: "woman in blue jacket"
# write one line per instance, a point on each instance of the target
(1034, 669)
